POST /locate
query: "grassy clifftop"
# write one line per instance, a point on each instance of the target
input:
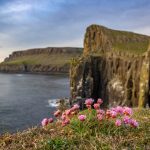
(99, 38)
(43, 59)
(43, 56)
(90, 135)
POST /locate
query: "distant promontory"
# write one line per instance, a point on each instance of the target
(40, 60)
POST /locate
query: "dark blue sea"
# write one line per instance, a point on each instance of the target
(26, 98)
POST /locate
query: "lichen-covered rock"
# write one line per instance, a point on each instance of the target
(119, 76)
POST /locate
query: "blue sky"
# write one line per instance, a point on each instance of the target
(41, 23)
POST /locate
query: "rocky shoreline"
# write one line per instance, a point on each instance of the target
(33, 69)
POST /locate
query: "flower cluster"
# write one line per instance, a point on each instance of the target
(89, 103)
(82, 117)
(46, 121)
(65, 116)
(123, 116)
(119, 115)
(68, 114)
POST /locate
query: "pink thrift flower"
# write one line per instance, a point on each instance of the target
(119, 109)
(82, 117)
(63, 117)
(113, 109)
(68, 112)
(118, 122)
(113, 114)
(100, 101)
(100, 117)
(57, 113)
(100, 111)
(134, 123)
(76, 107)
(65, 122)
(50, 120)
(127, 111)
(126, 120)
(44, 122)
(89, 101)
(96, 106)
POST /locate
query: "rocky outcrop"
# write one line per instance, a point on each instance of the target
(40, 60)
(120, 77)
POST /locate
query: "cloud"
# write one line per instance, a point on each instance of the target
(34, 23)
(16, 8)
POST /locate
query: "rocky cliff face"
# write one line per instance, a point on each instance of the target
(41, 69)
(119, 76)
(40, 60)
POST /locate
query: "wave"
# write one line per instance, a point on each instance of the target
(19, 75)
(52, 103)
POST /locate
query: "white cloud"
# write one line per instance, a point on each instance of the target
(15, 8)
(40, 23)
(16, 11)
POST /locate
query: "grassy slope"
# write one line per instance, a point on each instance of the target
(54, 59)
(90, 135)
(126, 41)
(129, 41)
(44, 59)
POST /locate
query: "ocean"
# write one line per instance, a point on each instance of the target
(25, 99)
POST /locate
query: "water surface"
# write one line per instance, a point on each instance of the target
(24, 99)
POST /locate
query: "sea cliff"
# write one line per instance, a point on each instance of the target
(115, 66)
(40, 60)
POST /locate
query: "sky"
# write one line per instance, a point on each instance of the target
(46, 23)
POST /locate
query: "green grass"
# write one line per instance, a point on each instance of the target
(124, 40)
(43, 59)
(88, 135)
(128, 41)
(133, 47)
